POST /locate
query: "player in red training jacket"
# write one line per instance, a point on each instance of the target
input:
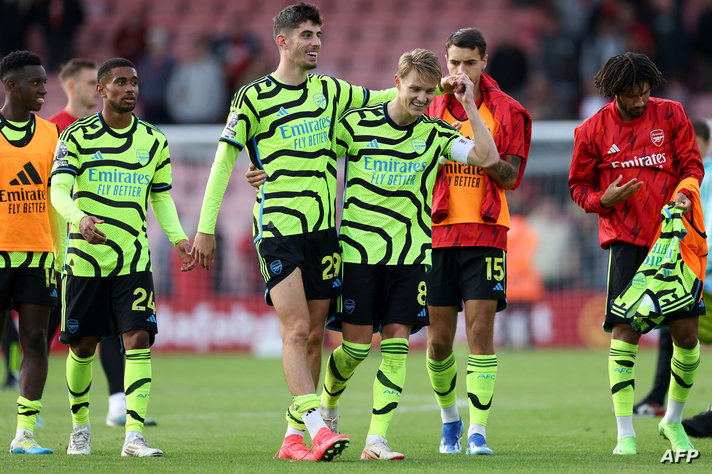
(629, 160)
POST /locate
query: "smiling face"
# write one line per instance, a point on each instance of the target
(28, 87)
(415, 93)
(302, 44)
(120, 89)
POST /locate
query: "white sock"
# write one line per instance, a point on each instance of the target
(449, 414)
(475, 428)
(312, 419)
(673, 413)
(23, 432)
(370, 439)
(117, 404)
(330, 411)
(293, 431)
(131, 435)
(625, 426)
(81, 427)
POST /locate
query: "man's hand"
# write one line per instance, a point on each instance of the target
(683, 202)
(464, 89)
(187, 262)
(255, 177)
(87, 227)
(203, 250)
(616, 194)
(446, 84)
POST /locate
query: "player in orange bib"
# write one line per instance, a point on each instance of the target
(470, 223)
(30, 231)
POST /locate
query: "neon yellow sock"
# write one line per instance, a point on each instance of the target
(79, 377)
(443, 376)
(294, 419)
(388, 385)
(481, 375)
(137, 385)
(683, 368)
(341, 366)
(27, 411)
(621, 374)
(13, 357)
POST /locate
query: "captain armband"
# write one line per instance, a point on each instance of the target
(460, 148)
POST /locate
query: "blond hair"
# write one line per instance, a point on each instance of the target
(425, 63)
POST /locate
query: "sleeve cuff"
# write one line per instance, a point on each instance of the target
(596, 205)
(686, 192)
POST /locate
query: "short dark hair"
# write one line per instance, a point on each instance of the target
(73, 66)
(110, 64)
(702, 129)
(467, 38)
(627, 70)
(16, 61)
(294, 15)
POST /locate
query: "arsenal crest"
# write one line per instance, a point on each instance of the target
(657, 136)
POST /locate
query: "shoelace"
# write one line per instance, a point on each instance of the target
(80, 439)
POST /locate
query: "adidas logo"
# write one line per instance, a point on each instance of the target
(281, 112)
(498, 287)
(97, 156)
(373, 144)
(28, 175)
(423, 313)
(613, 149)
(54, 293)
(152, 319)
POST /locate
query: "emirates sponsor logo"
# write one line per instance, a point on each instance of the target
(657, 136)
(655, 160)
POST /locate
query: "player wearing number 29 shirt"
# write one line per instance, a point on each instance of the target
(632, 157)
(285, 121)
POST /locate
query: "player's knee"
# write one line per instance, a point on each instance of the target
(84, 347)
(136, 339)
(34, 340)
(297, 334)
(316, 339)
(439, 348)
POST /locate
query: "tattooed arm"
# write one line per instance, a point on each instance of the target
(505, 171)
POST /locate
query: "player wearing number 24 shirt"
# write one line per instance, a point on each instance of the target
(107, 168)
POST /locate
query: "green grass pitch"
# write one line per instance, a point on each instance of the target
(224, 413)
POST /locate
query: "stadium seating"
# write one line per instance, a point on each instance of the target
(363, 38)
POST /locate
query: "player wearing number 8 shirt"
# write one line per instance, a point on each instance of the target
(285, 121)
(392, 153)
(115, 163)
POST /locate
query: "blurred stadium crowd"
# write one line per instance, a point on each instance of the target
(544, 53)
(193, 54)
